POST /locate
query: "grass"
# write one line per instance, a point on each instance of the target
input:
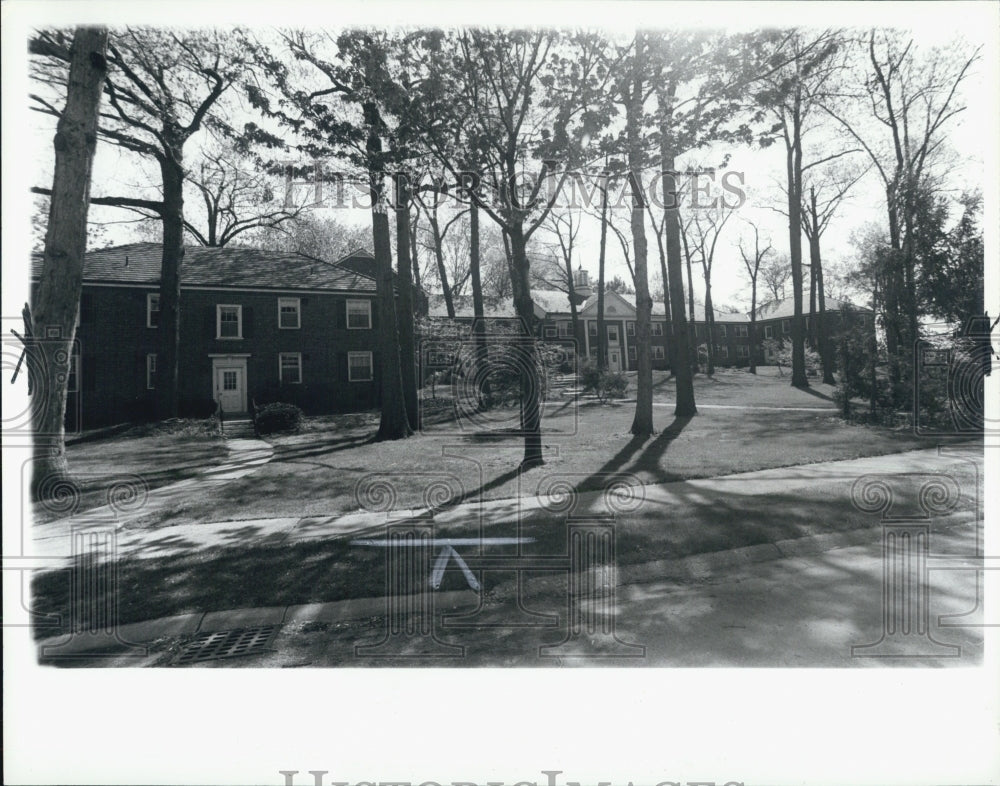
(317, 471)
(153, 455)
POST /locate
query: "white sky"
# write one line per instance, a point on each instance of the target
(117, 172)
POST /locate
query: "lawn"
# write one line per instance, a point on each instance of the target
(318, 471)
(158, 454)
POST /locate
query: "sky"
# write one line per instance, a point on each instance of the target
(762, 172)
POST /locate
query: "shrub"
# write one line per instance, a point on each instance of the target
(614, 385)
(603, 384)
(273, 418)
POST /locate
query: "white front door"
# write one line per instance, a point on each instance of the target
(614, 360)
(230, 388)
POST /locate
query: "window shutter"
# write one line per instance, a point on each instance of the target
(247, 322)
(209, 321)
(340, 314)
(375, 310)
(342, 366)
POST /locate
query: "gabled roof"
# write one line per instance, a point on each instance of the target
(139, 263)
(437, 308)
(785, 308)
(551, 301)
(360, 260)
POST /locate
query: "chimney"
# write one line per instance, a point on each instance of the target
(126, 260)
(581, 285)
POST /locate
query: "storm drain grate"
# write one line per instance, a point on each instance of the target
(227, 644)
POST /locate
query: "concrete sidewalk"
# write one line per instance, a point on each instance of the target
(805, 479)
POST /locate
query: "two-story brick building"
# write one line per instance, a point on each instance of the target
(730, 335)
(254, 325)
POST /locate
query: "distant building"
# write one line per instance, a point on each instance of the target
(730, 337)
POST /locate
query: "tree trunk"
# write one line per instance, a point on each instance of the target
(407, 339)
(813, 254)
(414, 258)
(693, 337)
(683, 378)
(574, 312)
(482, 357)
(642, 423)
(439, 258)
(526, 352)
(394, 423)
(709, 324)
(667, 321)
(167, 378)
(57, 299)
(794, 166)
(825, 350)
(602, 342)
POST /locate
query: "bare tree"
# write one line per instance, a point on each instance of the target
(775, 271)
(57, 302)
(707, 226)
(162, 88)
(912, 98)
(752, 261)
(825, 195)
(792, 95)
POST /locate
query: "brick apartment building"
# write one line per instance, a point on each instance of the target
(255, 325)
(730, 335)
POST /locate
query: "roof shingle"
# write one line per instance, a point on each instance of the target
(139, 263)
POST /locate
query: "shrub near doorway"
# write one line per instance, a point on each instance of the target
(278, 417)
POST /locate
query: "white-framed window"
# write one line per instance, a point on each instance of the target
(657, 328)
(290, 368)
(153, 310)
(359, 314)
(631, 353)
(722, 331)
(551, 331)
(741, 331)
(228, 321)
(768, 331)
(658, 353)
(359, 367)
(73, 375)
(612, 334)
(564, 329)
(786, 326)
(722, 351)
(742, 351)
(151, 371)
(289, 313)
(630, 328)
(593, 329)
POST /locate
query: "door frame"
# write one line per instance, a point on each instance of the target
(230, 361)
